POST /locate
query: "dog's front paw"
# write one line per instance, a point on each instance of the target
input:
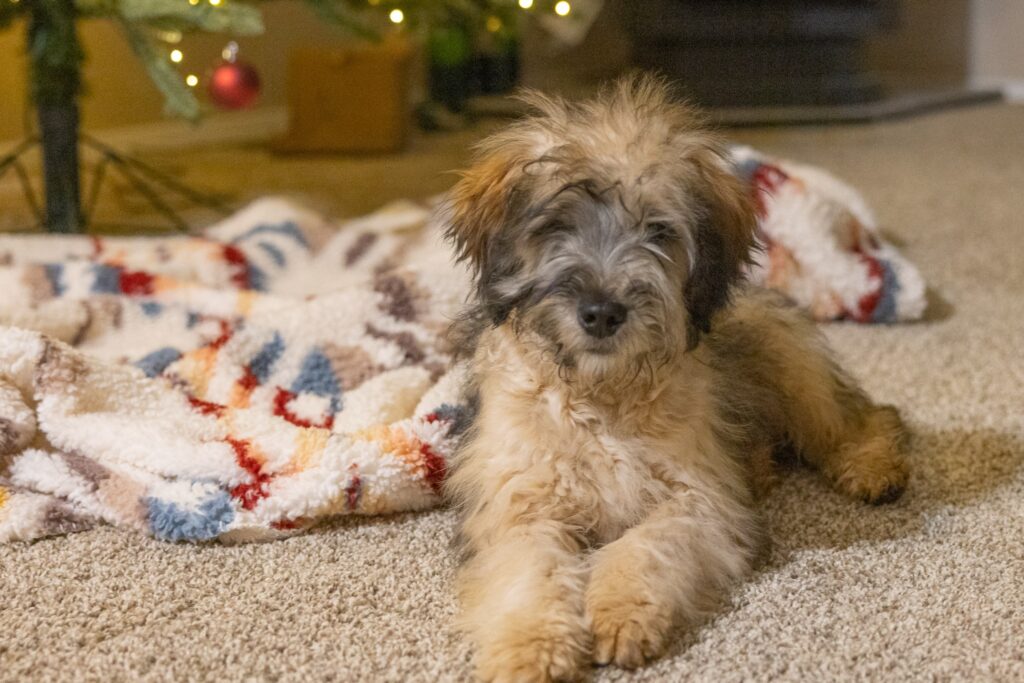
(872, 467)
(873, 472)
(535, 654)
(627, 631)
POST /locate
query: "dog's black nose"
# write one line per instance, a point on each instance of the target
(601, 317)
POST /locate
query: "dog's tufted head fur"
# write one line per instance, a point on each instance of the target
(609, 231)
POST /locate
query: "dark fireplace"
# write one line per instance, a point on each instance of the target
(743, 53)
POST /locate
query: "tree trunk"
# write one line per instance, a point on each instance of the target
(56, 59)
(58, 126)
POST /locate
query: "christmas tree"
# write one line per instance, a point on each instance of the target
(56, 57)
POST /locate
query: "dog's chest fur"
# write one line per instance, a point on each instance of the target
(613, 475)
(603, 461)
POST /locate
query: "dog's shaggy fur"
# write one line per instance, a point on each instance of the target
(627, 386)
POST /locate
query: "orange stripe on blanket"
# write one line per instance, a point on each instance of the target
(418, 454)
(162, 283)
(3, 496)
(196, 368)
(241, 392)
(309, 448)
(246, 299)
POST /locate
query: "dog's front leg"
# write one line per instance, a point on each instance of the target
(522, 597)
(662, 571)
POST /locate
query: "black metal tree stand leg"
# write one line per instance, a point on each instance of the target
(152, 185)
(56, 59)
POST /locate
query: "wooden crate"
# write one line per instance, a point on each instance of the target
(349, 99)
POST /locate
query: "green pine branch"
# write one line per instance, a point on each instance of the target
(178, 97)
(56, 55)
(236, 18)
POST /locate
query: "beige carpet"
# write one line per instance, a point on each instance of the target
(929, 589)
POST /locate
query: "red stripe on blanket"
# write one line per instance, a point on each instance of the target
(767, 180)
(281, 401)
(206, 407)
(253, 492)
(869, 302)
(249, 380)
(352, 491)
(437, 470)
(285, 525)
(225, 335)
(136, 283)
(239, 266)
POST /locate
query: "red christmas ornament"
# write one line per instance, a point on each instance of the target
(233, 84)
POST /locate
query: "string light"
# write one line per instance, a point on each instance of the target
(561, 8)
(493, 24)
(191, 80)
(169, 36)
(526, 4)
(216, 3)
(396, 16)
(193, 2)
(177, 56)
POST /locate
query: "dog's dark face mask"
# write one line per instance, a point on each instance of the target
(605, 265)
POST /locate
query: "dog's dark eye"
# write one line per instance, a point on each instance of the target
(550, 227)
(660, 233)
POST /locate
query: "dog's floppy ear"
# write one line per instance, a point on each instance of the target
(722, 239)
(480, 205)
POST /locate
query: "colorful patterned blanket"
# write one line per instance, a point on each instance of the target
(275, 370)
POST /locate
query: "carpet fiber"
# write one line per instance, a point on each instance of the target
(931, 587)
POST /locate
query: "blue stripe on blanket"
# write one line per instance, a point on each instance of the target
(263, 362)
(156, 362)
(745, 169)
(152, 308)
(171, 522)
(275, 254)
(55, 274)
(885, 311)
(106, 279)
(459, 416)
(288, 229)
(317, 377)
(257, 278)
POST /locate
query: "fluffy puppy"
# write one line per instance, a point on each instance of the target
(625, 386)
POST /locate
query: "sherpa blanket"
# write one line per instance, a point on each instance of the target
(277, 369)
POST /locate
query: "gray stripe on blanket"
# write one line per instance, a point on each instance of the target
(87, 468)
(60, 518)
(8, 435)
(400, 295)
(57, 370)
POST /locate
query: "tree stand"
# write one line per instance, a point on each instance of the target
(154, 186)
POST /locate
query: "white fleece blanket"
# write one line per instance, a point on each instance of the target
(278, 369)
